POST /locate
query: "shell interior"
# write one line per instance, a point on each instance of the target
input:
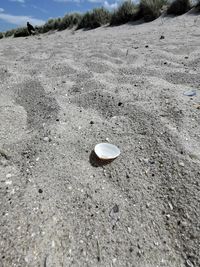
(106, 151)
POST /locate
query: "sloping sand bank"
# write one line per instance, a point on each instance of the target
(62, 93)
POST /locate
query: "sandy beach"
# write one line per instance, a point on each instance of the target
(61, 93)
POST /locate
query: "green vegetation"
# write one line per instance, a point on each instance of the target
(9, 33)
(51, 24)
(126, 12)
(96, 18)
(151, 9)
(179, 7)
(21, 32)
(69, 21)
(198, 5)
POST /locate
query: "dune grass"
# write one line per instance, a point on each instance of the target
(126, 12)
(69, 21)
(21, 32)
(179, 7)
(151, 9)
(96, 18)
(9, 33)
(198, 5)
(1, 35)
(51, 24)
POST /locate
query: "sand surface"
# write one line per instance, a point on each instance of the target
(60, 95)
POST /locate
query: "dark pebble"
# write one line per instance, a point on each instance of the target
(40, 191)
(115, 208)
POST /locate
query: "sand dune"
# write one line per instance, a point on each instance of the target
(62, 93)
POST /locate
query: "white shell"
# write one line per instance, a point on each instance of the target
(106, 151)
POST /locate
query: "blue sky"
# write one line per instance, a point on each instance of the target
(15, 13)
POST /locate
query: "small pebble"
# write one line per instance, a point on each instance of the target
(114, 260)
(8, 182)
(129, 230)
(170, 205)
(115, 208)
(40, 191)
(181, 164)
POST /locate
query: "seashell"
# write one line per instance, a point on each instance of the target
(190, 93)
(106, 151)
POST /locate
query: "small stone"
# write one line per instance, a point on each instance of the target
(139, 254)
(129, 230)
(46, 139)
(189, 264)
(114, 260)
(9, 175)
(115, 208)
(40, 191)
(119, 104)
(146, 46)
(8, 182)
(181, 164)
(91, 122)
(162, 37)
(170, 205)
(147, 204)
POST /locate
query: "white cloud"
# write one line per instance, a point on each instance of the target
(66, 1)
(110, 6)
(96, 1)
(40, 9)
(1, 9)
(20, 20)
(19, 1)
